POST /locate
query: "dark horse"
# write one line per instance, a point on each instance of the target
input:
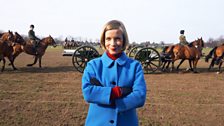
(218, 56)
(10, 47)
(42, 46)
(191, 52)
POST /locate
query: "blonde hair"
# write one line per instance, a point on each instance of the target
(114, 24)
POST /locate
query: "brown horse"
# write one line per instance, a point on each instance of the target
(191, 52)
(9, 48)
(167, 56)
(42, 46)
(70, 44)
(18, 45)
(15, 41)
(218, 56)
(6, 50)
(7, 36)
(19, 39)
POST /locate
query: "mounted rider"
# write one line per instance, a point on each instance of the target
(182, 38)
(34, 40)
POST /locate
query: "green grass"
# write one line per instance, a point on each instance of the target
(57, 48)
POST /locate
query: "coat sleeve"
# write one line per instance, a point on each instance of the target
(138, 96)
(92, 93)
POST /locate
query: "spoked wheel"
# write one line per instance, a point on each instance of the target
(133, 51)
(149, 58)
(82, 55)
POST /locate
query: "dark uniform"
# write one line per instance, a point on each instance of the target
(34, 40)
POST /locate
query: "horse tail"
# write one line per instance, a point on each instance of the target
(210, 54)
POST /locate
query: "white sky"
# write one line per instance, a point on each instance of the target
(145, 20)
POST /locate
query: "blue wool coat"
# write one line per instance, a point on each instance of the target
(123, 72)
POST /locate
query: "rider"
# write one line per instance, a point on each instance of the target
(182, 38)
(34, 40)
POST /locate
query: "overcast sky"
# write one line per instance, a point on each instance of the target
(145, 20)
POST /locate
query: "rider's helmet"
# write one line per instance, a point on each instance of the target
(31, 26)
(181, 31)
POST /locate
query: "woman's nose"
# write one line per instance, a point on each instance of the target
(113, 42)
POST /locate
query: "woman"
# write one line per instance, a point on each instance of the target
(113, 84)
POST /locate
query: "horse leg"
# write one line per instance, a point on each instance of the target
(220, 66)
(212, 64)
(182, 60)
(11, 59)
(167, 66)
(35, 61)
(3, 64)
(40, 61)
(195, 65)
(172, 68)
(164, 63)
(190, 64)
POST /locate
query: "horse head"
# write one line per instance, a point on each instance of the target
(199, 44)
(19, 39)
(7, 36)
(49, 40)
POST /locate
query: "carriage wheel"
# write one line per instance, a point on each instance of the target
(82, 55)
(133, 51)
(149, 58)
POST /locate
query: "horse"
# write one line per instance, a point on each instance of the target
(19, 39)
(218, 53)
(10, 47)
(6, 50)
(191, 52)
(70, 44)
(15, 40)
(19, 42)
(7, 36)
(167, 56)
(12, 38)
(40, 51)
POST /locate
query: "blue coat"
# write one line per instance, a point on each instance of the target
(123, 72)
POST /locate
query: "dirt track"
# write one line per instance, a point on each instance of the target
(52, 95)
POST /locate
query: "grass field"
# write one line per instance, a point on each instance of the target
(51, 96)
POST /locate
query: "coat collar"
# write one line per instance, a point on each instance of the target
(107, 61)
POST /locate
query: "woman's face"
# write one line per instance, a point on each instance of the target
(114, 41)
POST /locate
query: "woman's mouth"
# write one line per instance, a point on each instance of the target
(114, 49)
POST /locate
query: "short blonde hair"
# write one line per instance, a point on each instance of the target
(114, 24)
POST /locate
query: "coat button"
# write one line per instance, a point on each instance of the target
(112, 121)
(114, 83)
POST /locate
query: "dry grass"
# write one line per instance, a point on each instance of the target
(52, 95)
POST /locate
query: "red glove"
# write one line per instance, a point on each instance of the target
(115, 93)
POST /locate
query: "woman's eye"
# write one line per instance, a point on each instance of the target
(108, 39)
(118, 38)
